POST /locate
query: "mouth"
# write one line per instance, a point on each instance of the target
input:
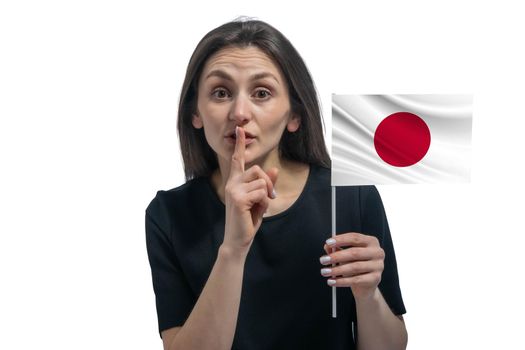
(231, 137)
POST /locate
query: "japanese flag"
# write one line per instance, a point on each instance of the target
(387, 139)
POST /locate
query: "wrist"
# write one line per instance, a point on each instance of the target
(370, 299)
(231, 254)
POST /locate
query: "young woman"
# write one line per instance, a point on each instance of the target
(238, 253)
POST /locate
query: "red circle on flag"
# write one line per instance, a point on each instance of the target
(402, 139)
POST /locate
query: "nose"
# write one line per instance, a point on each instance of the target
(241, 110)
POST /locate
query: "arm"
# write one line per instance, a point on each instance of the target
(213, 320)
(378, 327)
(361, 263)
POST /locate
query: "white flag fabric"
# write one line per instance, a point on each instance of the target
(391, 139)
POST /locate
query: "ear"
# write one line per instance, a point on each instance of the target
(293, 123)
(196, 121)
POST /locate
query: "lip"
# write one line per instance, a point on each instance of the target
(230, 137)
(232, 140)
(232, 134)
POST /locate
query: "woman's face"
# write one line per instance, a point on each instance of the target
(243, 87)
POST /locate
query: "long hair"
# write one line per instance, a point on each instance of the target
(304, 145)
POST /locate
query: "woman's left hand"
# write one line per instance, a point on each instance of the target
(357, 263)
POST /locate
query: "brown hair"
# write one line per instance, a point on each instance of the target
(305, 145)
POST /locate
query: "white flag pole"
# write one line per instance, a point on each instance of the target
(334, 294)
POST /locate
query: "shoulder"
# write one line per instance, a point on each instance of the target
(369, 197)
(368, 193)
(361, 193)
(167, 202)
(321, 176)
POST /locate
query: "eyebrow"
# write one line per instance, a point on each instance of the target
(222, 74)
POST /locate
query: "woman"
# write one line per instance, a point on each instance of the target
(235, 252)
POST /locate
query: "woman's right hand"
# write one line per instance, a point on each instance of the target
(247, 196)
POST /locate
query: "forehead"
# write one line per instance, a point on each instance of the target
(247, 59)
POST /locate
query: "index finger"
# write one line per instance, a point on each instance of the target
(353, 239)
(237, 164)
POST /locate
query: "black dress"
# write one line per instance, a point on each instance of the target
(285, 302)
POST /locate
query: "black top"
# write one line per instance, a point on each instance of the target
(285, 302)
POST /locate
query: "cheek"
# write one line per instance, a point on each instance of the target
(278, 123)
(210, 116)
(212, 126)
(212, 133)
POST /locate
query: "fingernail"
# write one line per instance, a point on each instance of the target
(236, 132)
(330, 241)
(325, 259)
(326, 271)
(274, 194)
(330, 282)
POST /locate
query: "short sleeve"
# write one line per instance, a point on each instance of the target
(173, 295)
(374, 222)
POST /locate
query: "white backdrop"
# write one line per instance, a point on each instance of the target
(88, 98)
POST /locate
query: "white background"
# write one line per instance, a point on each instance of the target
(88, 99)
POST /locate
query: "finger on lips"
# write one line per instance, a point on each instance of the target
(255, 172)
(237, 164)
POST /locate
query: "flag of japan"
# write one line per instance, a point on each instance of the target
(386, 139)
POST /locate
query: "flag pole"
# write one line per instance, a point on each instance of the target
(334, 294)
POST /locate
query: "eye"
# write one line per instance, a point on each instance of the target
(262, 94)
(220, 93)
